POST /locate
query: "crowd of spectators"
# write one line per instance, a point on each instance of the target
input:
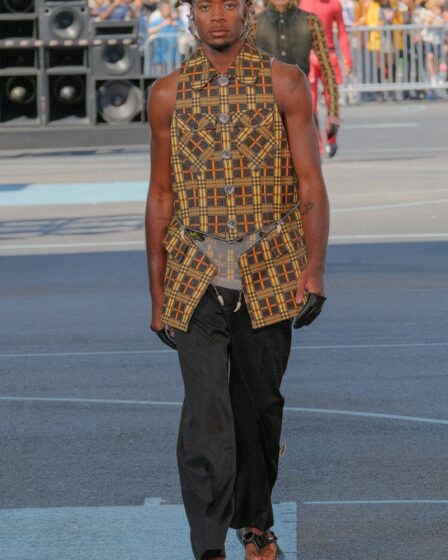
(167, 23)
(400, 48)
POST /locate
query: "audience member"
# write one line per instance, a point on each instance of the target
(116, 10)
(432, 36)
(167, 25)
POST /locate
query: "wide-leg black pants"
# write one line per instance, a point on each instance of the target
(229, 434)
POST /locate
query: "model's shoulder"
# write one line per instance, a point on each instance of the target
(288, 82)
(162, 100)
(284, 74)
(165, 86)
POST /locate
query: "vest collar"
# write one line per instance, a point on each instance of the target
(274, 15)
(245, 67)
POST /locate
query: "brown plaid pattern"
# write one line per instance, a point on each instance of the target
(270, 270)
(188, 273)
(232, 174)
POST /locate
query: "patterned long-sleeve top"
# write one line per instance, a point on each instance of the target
(290, 36)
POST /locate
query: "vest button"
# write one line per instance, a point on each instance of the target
(223, 81)
(226, 154)
(229, 189)
(231, 224)
(224, 118)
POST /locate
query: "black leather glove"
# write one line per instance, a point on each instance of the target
(165, 336)
(310, 311)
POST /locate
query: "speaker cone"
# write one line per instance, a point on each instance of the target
(66, 23)
(21, 89)
(68, 89)
(119, 101)
(117, 59)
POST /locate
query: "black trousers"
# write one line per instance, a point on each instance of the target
(229, 434)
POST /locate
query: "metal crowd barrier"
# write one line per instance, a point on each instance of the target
(385, 58)
(395, 58)
(164, 52)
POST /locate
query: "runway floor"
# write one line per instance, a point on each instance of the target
(90, 400)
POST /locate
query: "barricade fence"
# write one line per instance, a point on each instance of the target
(398, 58)
(385, 58)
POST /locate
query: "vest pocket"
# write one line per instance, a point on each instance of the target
(176, 245)
(188, 273)
(254, 136)
(270, 270)
(196, 141)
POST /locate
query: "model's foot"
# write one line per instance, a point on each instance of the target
(252, 552)
(331, 149)
(269, 552)
(256, 553)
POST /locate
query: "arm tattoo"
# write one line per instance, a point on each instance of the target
(307, 208)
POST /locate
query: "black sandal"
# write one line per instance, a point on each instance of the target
(260, 541)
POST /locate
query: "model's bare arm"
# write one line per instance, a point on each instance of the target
(159, 206)
(293, 98)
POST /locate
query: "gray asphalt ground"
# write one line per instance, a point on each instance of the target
(89, 399)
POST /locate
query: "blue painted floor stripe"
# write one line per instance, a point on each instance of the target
(153, 531)
(73, 193)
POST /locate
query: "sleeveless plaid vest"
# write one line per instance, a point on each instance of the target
(232, 174)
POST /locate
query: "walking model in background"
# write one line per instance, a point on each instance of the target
(291, 34)
(330, 13)
(236, 189)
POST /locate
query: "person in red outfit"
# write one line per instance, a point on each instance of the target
(330, 13)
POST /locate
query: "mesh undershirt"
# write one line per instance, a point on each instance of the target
(225, 254)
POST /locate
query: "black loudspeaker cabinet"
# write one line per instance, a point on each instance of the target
(18, 27)
(68, 99)
(59, 21)
(118, 101)
(116, 59)
(20, 93)
(55, 57)
(110, 29)
(19, 58)
(17, 6)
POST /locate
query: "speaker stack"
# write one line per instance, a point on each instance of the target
(116, 66)
(58, 67)
(20, 84)
(64, 31)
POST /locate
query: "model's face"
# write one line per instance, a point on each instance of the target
(280, 5)
(219, 22)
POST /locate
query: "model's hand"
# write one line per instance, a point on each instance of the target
(166, 335)
(309, 311)
(311, 281)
